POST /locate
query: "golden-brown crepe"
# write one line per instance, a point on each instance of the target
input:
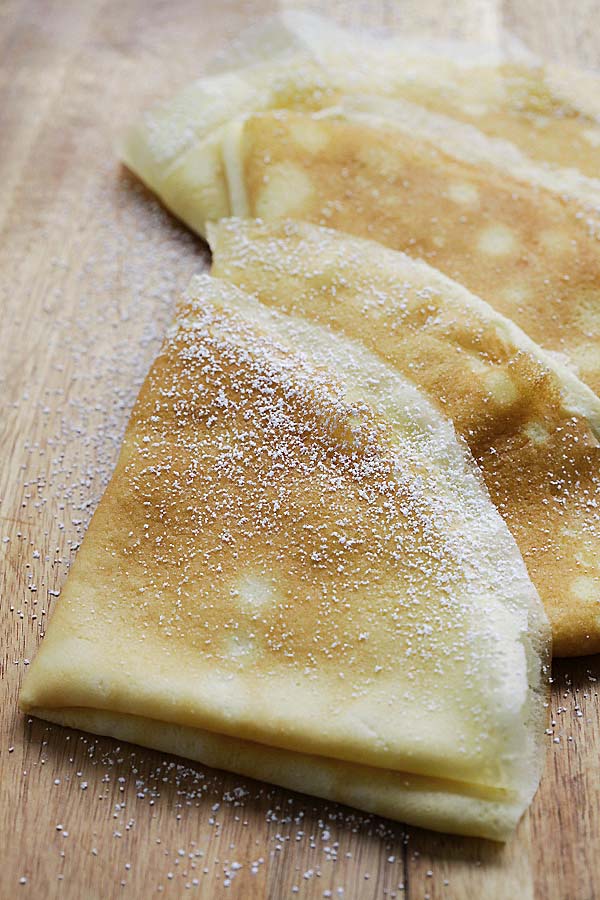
(181, 135)
(551, 113)
(534, 256)
(286, 140)
(296, 573)
(530, 424)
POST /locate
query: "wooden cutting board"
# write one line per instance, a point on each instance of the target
(89, 268)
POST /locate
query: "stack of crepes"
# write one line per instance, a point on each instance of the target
(368, 446)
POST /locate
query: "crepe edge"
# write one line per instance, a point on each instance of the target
(577, 397)
(414, 800)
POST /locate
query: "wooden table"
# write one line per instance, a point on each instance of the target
(90, 266)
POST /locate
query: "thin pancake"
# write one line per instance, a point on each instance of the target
(551, 113)
(530, 424)
(171, 137)
(524, 237)
(308, 563)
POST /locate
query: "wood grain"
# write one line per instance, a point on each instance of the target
(89, 269)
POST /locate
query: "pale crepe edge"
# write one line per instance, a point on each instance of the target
(410, 799)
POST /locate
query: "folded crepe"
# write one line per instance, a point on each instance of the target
(521, 236)
(531, 425)
(548, 111)
(296, 573)
(173, 135)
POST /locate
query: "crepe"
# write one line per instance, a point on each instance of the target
(548, 111)
(531, 425)
(296, 573)
(182, 134)
(523, 237)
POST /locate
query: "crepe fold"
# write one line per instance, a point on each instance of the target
(296, 573)
(291, 138)
(531, 425)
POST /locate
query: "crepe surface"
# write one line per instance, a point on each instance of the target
(551, 113)
(530, 253)
(296, 573)
(531, 425)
